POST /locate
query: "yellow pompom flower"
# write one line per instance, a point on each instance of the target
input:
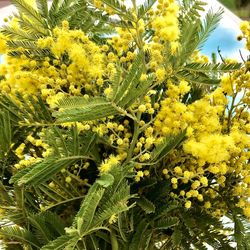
(247, 211)
(142, 108)
(207, 205)
(204, 181)
(160, 74)
(3, 45)
(174, 181)
(178, 170)
(188, 204)
(195, 184)
(68, 179)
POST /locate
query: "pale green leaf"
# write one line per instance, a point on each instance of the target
(105, 180)
(80, 109)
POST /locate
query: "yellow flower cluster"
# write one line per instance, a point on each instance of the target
(109, 163)
(214, 148)
(165, 21)
(3, 45)
(77, 67)
(27, 151)
(173, 113)
(217, 131)
(199, 58)
(122, 40)
(245, 28)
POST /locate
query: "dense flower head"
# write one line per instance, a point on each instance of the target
(165, 21)
(85, 65)
(3, 45)
(245, 28)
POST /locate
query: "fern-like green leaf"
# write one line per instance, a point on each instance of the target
(18, 34)
(30, 111)
(6, 134)
(210, 23)
(54, 7)
(197, 78)
(165, 210)
(238, 232)
(68, 147)
(24, 44)
(28, 25)
(88, 208)
(190, 10)
(28, 10)
(194, 34)
(138, 238)
(42, 6)
(114, 201)
(131, 82)
(80, 109)
(212, 68)
(21, 235)
(145, 7)
(41, 230)
(60, 243)
(176, 238)
(43, 171)
(167, 223)
(146, 205)
(47, 225)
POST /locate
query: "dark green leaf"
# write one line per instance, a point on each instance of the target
(5, 134)
(42, 6)
(167, 223)
(20, 234)
(146, 205)
(138, 237)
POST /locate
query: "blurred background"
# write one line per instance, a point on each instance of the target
(240, 7)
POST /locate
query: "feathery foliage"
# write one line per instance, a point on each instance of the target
(117, 133)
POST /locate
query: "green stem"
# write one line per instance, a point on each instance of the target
(124, 112)
(134, 139)
(65, 201)
(44, 188)
(95, 229)
(74, 157)
(114, 242)
(120, 228)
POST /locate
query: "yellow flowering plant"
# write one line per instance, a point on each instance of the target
(117, 133)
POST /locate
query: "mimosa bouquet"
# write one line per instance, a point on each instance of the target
(117, 133)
